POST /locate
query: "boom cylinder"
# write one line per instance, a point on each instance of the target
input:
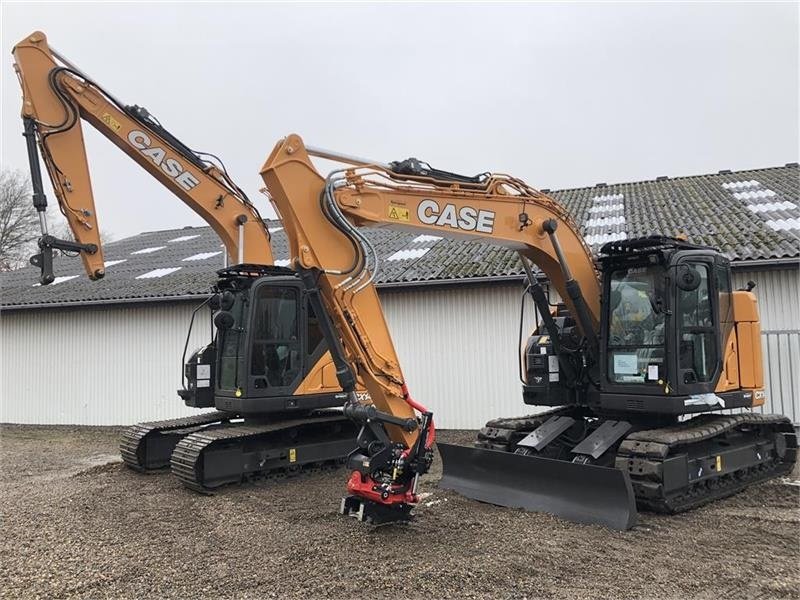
(573, 289)
(344, 372)
(543, 306)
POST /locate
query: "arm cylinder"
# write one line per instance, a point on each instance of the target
(39, 198)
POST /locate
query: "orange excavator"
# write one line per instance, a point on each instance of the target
(650, 344)
(649, 336)
(278, 397)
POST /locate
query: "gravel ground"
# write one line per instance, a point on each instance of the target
(77, 523)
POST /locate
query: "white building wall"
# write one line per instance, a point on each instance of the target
(778, 293)
(121, 365)
(94, 366)
(458, 347)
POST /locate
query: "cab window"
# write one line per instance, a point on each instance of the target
(275, 359)
(697, 352)
(636, 325)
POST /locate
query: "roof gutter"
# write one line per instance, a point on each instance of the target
(451, 281)
(105, 302)
(765, 263)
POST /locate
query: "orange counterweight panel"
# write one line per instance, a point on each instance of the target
(748, 336)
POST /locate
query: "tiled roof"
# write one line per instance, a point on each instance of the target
(746, 214)
(749, 215)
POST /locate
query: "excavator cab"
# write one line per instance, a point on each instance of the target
(675, 339)
(266, 355)
(667, 317)
(267, 374)
(269, 344)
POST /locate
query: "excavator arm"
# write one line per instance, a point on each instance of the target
(321, 216)
(57, 97)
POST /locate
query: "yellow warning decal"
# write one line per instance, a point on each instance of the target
(544, 339)
(292, 455)
(399, 214)
(719, 464)
(111, 121)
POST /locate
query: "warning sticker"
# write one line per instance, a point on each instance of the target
(398, 213)
(292, 455)
(110, 121)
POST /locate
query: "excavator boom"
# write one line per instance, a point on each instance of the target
(56, 98)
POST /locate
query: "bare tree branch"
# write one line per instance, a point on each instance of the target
(19, 223)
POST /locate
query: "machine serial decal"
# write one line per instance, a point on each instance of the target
(466, 218)
(170, 166)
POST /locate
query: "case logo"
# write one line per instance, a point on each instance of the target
(170, 166)
(466, 217)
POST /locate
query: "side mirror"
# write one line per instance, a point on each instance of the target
(224, 320)
(688, 279)
(227, 300)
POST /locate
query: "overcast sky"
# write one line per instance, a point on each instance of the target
(562, 95)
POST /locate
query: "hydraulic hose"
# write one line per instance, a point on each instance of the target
(421, 409)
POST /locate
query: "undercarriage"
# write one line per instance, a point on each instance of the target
(669, 469)
(218, 448)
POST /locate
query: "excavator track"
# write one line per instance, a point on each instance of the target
(238, 452)
(148, 446)
(679, 468)
(504, 433)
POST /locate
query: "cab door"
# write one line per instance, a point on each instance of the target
(275, 343)
(696, 319)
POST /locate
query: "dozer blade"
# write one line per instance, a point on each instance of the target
(576, 492)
